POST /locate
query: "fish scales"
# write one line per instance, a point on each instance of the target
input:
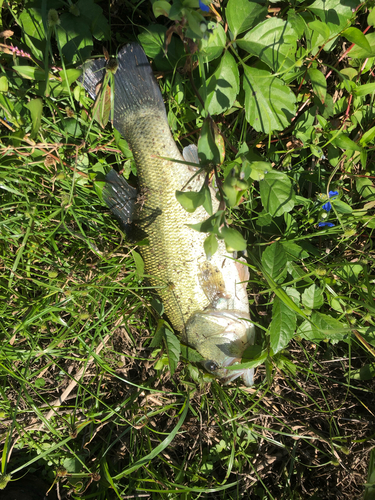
(175, 250)
(205, 300)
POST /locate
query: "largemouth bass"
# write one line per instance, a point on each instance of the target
(205, 299)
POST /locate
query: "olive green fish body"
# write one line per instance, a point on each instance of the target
(175, 250)
(205, 300)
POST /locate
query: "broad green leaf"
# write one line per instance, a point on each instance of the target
(342, 207)
(293, 294)
(92, 14)
(74, 37)
(210, 245)
(139, 264)
(31, 72)
(284, 363)
(223, 86)
(152, 40)
(122, 144)
(161, 8)
(296, 252)
(4, 84)
(369, 135)
(274, 260)
(356, 36)
(316, 151)
(234, 241)
(40, 382)
(209, 225)
(173, 349)
(274, 41)
(323, 327)
(344, 142)
(315, 39)
(368, 88)
(72, 127)
(35, 106)
(283, 325)
(69, 76)
(210, 147)
(296, 20)
(213, 46)
(269, 103)
(358, 52)
(350, 272)
(371, 18)
(258, 359)
(256, 170)
(207, 203)
(350, 73)
(158, 306)
(366, 372)
(335, 13)
(320, 28)
(365, 188)
(243, 14)
(190, 354)
(313, 297)
(319, 83)
(234, 188)
(190, 200)
(82, 162)
(72, 465)
(157, 339)
(194, 23)
(33, 30)
(276, 193)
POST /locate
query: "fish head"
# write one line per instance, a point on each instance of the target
(221, 337)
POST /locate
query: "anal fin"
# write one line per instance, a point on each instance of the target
(190, 154)
(92, 76)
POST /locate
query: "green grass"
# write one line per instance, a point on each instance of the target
(88, 403)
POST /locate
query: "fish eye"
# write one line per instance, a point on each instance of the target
(210, 365)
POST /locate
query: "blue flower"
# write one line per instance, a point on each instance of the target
(327, 206)
(203, 6)
(325, 224)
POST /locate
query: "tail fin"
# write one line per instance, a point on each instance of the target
(135, 86)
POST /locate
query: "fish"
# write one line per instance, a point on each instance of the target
(205, 299)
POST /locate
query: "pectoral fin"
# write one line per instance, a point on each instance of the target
(212, 283)
(120, 198)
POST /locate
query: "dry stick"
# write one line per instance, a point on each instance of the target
(59, 401)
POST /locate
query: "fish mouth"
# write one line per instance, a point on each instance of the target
(247, 374)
